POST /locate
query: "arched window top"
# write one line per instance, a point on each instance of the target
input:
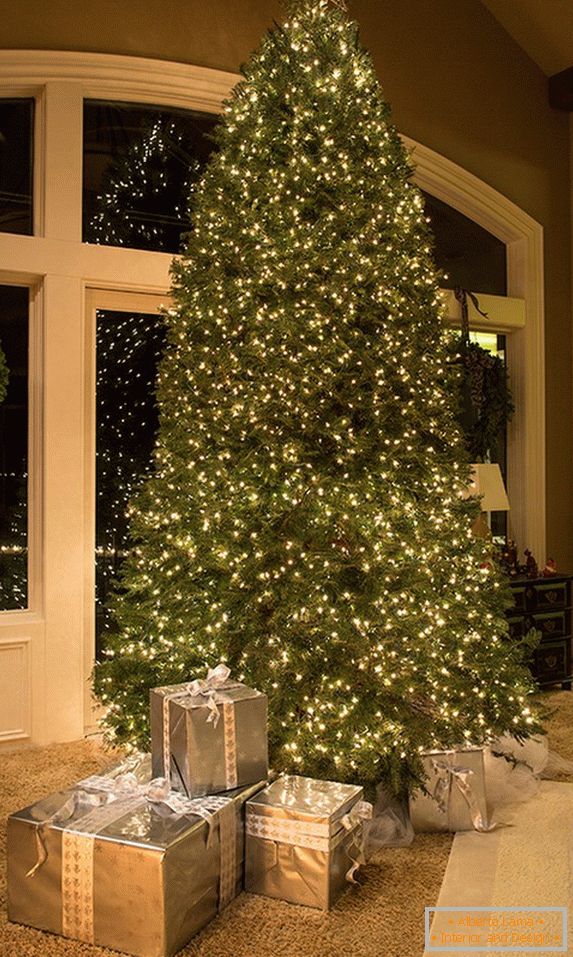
(467, 254)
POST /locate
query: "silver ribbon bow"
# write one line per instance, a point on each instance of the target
(208, 687)
(354, 821)
(119, 793)
(449, 775)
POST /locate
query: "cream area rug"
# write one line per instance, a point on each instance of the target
(524, 865)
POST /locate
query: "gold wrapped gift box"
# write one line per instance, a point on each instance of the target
(212, 741)
(456, 798)
(303, 840)
(129, 873)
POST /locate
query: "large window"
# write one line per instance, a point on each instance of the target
(13, 447)
(16, 165)
(140, 167)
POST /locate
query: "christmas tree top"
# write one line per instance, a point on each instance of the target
(306, 520)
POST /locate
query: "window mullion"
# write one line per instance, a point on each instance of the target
(62, 155)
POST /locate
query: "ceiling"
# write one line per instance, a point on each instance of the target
(543, 28)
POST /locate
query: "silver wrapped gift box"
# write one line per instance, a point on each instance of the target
(456, 798)
(118, 869)
(209, 735)
(303, 840)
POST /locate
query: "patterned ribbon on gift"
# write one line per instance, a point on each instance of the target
(301, 833)
(316, 835)
(353, 821)
(450, 774)
(123, 795)
(207, 693)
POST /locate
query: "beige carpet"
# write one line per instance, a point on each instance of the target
(382, 918)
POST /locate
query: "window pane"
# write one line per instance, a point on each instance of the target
(140, 166)
(467, 254)
(13, 448)
(128, 349)
(16, 165)
(499, 454)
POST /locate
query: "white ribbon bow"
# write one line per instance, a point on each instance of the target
(124, 787)
(447, 776)
(354, 819)
(207, 688)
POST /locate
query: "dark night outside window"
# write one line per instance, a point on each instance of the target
(14, 450)
(140, 166)
(466, 254)
(16, 166)
(128, 349)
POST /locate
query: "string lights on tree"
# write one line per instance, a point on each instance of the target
(305, 519)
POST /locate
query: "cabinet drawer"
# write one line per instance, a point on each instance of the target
(550, 595)
(551, 661)
(551, 625)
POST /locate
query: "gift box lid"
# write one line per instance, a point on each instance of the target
(297, 798)
(124, 820)
(230, 691)
(465, 748)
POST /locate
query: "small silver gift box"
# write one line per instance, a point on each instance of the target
(122, 871)
(456, 798)
(209, 735)
(303, 840)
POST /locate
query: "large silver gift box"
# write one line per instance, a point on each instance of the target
(302, 840)
(456, 798)
(212, 741)
(128, 873)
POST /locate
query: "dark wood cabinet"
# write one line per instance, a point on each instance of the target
(545, 604)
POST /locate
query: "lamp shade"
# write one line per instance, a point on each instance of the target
(486, 481)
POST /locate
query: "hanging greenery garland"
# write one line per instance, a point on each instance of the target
(490, 397)
(485, 402)
(4, 375)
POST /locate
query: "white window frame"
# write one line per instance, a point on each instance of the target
(56, 634)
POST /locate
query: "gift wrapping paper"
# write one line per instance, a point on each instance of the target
(456, 798)
(125, 872)
(303, 840)
(211, 741)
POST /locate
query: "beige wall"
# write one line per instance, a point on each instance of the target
(457, 83)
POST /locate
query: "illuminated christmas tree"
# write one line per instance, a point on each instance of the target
(306, 521)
